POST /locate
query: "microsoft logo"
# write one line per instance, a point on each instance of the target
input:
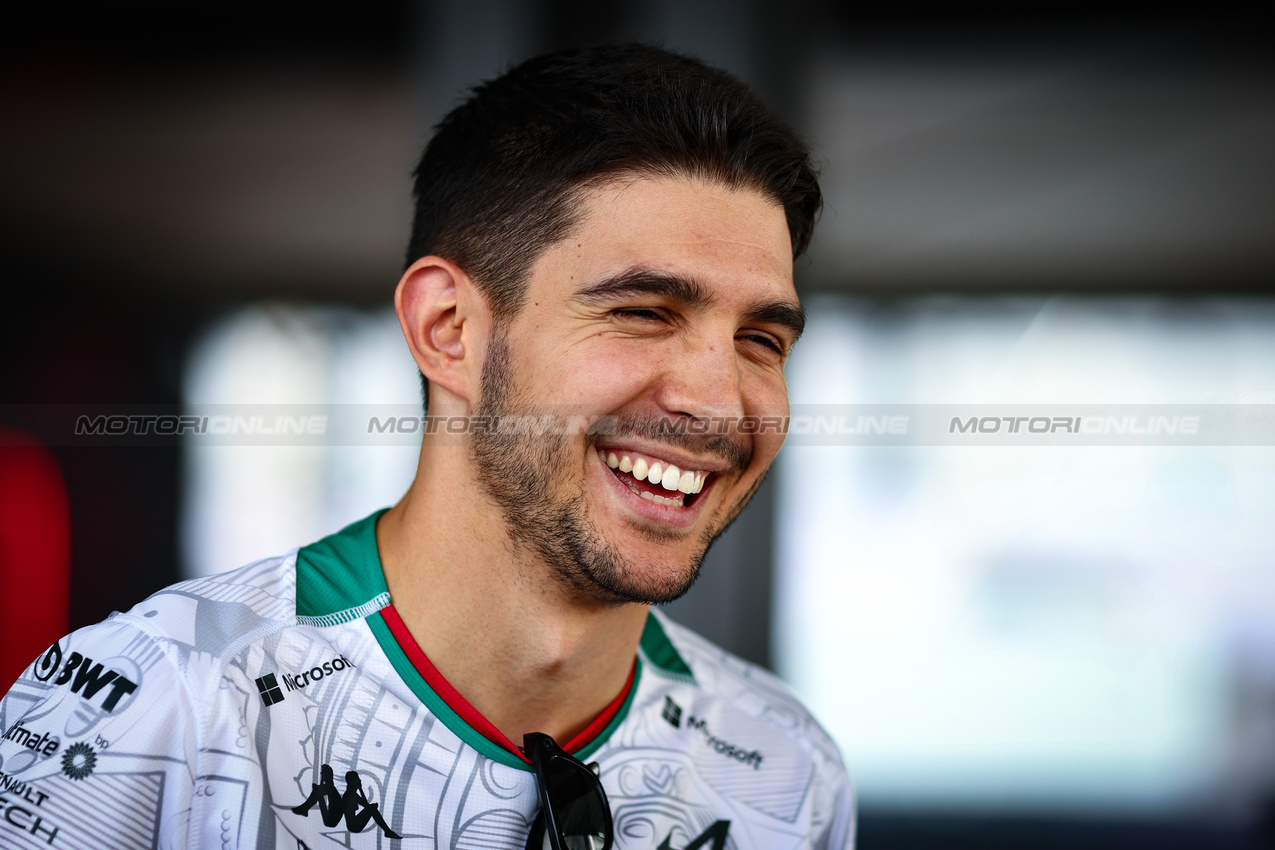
(672, 712)
(270, 691)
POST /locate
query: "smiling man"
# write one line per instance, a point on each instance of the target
(603, 246)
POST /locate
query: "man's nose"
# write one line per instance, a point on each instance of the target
(703, 382)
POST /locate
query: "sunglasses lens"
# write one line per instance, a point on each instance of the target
(583, 842)
(574, 813)
(578, 805)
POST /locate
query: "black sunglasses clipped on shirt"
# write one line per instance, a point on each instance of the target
(574, 812)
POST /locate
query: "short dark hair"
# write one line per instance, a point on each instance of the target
(501, 179)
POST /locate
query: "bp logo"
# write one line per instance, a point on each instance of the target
(78, 761)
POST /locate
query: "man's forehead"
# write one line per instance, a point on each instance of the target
(636, 189)
(683, 225)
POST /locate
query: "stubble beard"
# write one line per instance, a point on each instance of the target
(538, 515)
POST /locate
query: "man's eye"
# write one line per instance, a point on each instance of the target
(646, 314)
(765, 341)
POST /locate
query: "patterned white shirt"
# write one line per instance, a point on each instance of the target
(282, 705)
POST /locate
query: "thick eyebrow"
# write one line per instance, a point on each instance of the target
(641, 281)
(691, 293)
(783, 313)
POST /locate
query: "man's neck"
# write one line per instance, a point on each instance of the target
(524, 651)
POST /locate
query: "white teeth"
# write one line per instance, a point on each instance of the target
(661, 500)
(669, 476)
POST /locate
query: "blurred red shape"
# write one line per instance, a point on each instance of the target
(35, 553)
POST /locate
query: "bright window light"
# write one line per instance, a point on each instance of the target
(1035, 627)
(245, 502)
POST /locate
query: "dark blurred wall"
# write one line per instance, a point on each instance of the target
(77, 342)
(158, 166)
(161, 164)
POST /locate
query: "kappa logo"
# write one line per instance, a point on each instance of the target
(716, 833)
(85, 678)
(271, 693)
(352, 806)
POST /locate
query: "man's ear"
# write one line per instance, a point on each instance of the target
(442, 316)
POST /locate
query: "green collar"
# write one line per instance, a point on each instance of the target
(340, 580)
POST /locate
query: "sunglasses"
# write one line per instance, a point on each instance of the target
(574, 812)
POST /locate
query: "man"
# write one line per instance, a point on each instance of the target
(603, 247)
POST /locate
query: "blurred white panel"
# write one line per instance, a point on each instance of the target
(373, 367)
(1035, 627)
(245, 502)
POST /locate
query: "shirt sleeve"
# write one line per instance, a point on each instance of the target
(841, 828)
(99, 745)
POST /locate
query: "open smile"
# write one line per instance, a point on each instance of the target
(656, 479)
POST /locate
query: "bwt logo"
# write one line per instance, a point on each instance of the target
(84, 677)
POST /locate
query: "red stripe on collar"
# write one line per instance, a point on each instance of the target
(471, 715)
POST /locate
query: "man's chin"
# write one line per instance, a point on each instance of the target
(623, 581)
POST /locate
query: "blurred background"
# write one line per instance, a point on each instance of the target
(1014, 645)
